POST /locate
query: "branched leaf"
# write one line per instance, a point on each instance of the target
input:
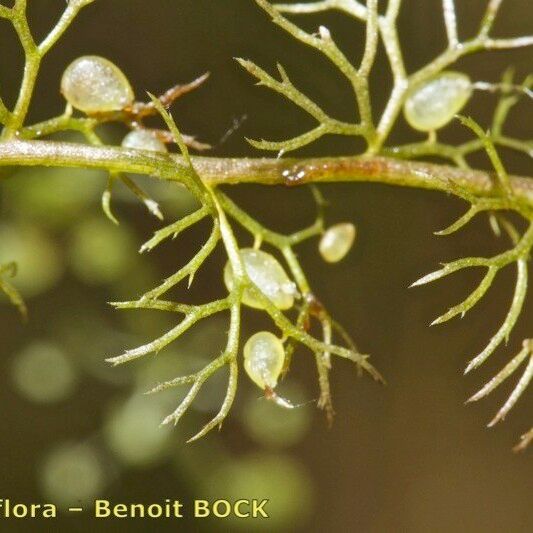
(490, 149)
(196, 314)
(174, 229)
(505, 372)
(159, 305)
(190, 269)
(471, 300)
(510, 320)
(326, 124)
(450, 268)
(226, 404)
(285, 87)
(290, 144)
(479, 205)
(521, 386)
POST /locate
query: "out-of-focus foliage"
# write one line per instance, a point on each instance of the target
(279, 476)
(39, 261)
(43, 373)
(73, 473)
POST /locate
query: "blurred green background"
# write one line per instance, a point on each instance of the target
(405, 457)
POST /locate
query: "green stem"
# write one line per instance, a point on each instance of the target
(32, 62)
(266, 171)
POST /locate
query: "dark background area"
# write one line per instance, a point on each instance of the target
(405, 457)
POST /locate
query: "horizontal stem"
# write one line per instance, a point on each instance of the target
(266, 171)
